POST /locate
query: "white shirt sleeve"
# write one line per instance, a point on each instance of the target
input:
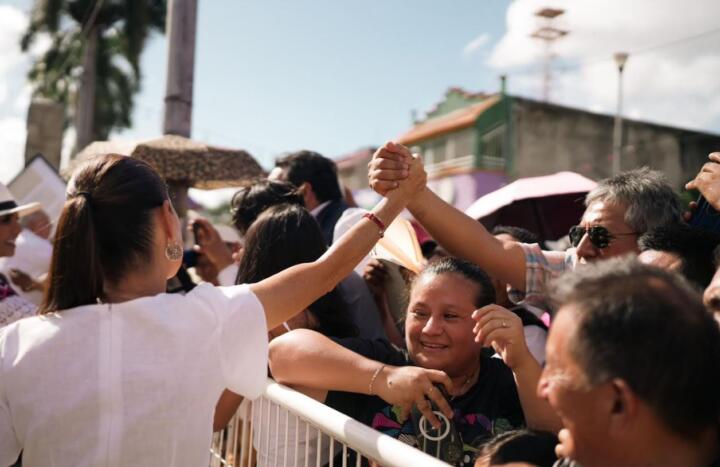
(240, 336)
(243, 341)
(347, 221)
(9, 444)
(227, 276)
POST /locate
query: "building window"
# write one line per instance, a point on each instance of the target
(428, 156)
(435, 151)
(493, 143)
(464, 142)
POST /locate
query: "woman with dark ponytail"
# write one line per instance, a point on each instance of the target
(283, 236)
(115, 371)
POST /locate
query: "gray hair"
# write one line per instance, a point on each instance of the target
(651, 201)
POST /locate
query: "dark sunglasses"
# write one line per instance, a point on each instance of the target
(600, 237)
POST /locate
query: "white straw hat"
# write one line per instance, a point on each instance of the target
(8, 205)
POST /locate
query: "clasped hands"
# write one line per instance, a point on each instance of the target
(393, 166)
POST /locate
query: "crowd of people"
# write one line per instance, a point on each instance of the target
(497, 352)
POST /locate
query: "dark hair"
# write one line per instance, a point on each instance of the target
(518, 233)
(533, 447)
(693, 246)
(281, 237)
(485, 293)
(105, 229)
(250, 201)
(319, 171)
(648, 327)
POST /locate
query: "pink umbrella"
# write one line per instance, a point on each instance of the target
(546, 205)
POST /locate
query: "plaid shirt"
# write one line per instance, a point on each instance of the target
(541, 267)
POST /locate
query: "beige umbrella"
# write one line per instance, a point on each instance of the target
(182, 161)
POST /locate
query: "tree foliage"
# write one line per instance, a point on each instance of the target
(122, 28)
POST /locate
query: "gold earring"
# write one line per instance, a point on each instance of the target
(173, 251)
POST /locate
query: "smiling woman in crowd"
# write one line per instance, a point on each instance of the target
(379, 384)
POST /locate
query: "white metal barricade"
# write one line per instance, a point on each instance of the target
(286, 428)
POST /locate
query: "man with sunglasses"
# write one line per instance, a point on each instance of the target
(618, 210)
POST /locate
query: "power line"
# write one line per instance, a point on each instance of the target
(675, 42)
(605, 58)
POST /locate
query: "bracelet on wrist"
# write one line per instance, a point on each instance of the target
(374, 377)
(377, 221)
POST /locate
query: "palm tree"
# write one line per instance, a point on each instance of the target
(93, 64)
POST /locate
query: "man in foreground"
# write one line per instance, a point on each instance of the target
(632, 370)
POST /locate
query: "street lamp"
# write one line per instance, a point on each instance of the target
(620, 59)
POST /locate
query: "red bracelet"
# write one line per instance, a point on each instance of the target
(377, 222)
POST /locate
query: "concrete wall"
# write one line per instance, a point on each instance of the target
(45, 131)
(354, 174)
(550, 138)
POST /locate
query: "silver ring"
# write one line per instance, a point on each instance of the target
(504, 324)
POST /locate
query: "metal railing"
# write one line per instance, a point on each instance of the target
(286, 428)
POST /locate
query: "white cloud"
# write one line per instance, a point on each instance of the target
(14, 92)
(13, 66)
(40, 45)
(67, 146)
(12, 145)
(476, 45)
(676, 84)
(22, 99)
(13, 23)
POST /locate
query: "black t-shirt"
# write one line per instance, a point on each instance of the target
(489, 408)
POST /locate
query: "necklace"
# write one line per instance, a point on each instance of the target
(471, 378)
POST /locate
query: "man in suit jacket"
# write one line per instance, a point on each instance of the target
(316, 179)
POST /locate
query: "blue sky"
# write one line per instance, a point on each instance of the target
(274, 76)
(331, 76)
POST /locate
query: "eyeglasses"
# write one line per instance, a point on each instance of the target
(600, 237)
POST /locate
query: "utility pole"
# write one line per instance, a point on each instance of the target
(548, 33)
(85, 113)
(620, 60)
(181, 26)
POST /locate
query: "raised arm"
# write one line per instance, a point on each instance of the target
(503, 330)
(458, 233)
(308, 359)
(294, 289)
(707, 181)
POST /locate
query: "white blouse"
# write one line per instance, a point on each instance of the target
(132, 383)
